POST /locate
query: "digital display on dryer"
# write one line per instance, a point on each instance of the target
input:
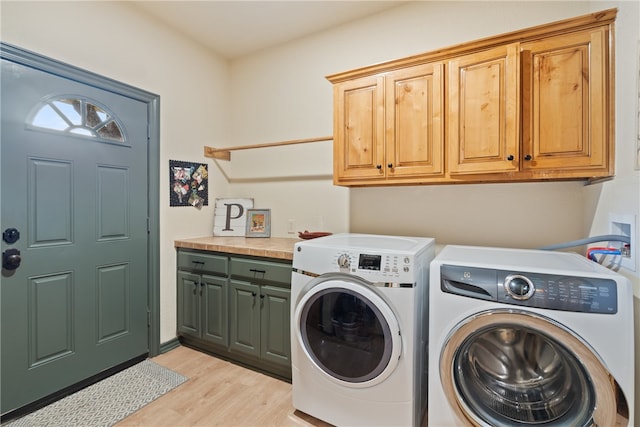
(369, 262)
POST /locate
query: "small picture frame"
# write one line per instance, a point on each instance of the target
(258, 223)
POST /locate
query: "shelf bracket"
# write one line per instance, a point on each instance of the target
(225, 153)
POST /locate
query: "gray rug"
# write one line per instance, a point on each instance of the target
(108, 401)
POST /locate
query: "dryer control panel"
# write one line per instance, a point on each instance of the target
(547, 291)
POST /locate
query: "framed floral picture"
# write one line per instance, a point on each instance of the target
(258, 223)
(188, 184)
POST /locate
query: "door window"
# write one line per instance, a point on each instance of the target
(77, 116)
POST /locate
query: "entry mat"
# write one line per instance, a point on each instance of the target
(108, 401)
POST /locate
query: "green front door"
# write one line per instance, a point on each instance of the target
(74, 186)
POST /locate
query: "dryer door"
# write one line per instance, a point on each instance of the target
(515, 368)
(347, 330)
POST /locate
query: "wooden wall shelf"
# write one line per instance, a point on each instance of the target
(225, 153)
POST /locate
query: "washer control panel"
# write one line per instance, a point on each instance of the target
(375, 266)
(548, 291)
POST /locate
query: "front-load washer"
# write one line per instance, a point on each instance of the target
(359, 328)
(528, 338)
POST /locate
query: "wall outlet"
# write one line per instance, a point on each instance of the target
(291, 226)
(625, 225)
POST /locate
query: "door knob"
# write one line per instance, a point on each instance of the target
(11, 259)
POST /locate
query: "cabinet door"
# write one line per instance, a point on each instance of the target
(414, 122)
(359, 129)
(244, 306)
(275, 325)
(565, 102)
(483, 111)
(188, 303)
(214, 310)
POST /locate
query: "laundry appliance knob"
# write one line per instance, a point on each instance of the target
(519, 287)
(344, 261)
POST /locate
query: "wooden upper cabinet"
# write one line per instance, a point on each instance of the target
(414, 122)
(389, 126)
(534, 104)
(358, 148)
(565, 105)
(483, 132)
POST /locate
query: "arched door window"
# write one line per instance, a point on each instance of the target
(77, 116)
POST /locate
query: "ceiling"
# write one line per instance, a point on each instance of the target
(236, 28)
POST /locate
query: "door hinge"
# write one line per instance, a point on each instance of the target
(149, 318)
(148, 226)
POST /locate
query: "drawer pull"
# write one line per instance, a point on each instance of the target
(255, 270)
(198, 262)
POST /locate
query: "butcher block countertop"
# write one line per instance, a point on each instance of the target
(269, 247)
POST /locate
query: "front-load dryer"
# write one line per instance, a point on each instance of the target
(529, 338)
(359, 328)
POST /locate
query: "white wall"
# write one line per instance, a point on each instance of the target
(622, 195)
(283, 94)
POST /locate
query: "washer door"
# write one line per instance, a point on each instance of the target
(348, 331)
(515, 368)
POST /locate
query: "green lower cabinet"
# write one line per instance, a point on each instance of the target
(188, 304)
(202, 307)
(259, 321)
(214, 310)
(236, 308)
(275, 339)
(244, 315)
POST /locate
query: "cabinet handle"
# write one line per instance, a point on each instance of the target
(378, 167)
(510, 157)
(527, 157)
(198, 262)
(255, 270)
(390, 165)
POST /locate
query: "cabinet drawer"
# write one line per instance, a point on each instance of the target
(261, 271)
(200, 261)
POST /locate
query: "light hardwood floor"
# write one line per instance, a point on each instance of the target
(219, 393)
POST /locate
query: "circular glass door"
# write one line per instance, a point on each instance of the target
(515, 368)
(348, 331)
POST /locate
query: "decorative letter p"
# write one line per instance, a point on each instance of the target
(229, 217)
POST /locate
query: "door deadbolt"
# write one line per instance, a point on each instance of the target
(10, 235)
(11, 259)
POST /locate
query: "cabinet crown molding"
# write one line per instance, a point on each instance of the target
(591, 20)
